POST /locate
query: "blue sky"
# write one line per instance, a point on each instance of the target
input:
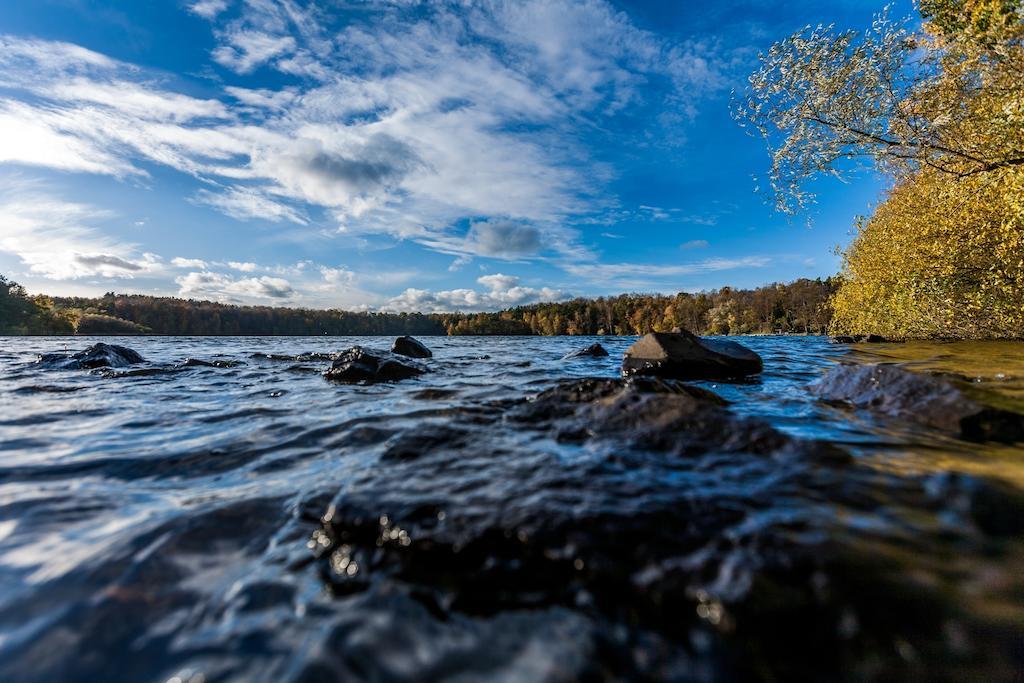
(397, 155)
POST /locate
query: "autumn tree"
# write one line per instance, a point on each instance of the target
(940, 109)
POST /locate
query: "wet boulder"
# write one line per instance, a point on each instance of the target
(915, 397)
(484, 528)
(413, 348)
(659, 415)
(685, 356)
(593, 351)
(359, 365)
(96, 356)
(648, 550)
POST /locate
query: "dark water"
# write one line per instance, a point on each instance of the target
(169, 524)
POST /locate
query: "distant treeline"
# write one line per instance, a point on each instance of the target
(166, 315)
(798, 307)
(801, 307)
(22, 314)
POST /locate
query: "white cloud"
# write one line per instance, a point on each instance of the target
(694, 244)
(56, 240)
(27, 138)
(249, 49)
(133, 100)
(262, 98)
(245, 203)
(642, 276)
(336, 276)
(208, 9)
(222, 287)
(501, 291)
(19, 57)
(245, 267)
(411, 124)
(179, 262)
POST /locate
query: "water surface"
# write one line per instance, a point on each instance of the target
(156, 522)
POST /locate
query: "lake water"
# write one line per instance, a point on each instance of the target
(161, 523)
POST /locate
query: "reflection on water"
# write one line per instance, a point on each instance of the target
(162, 522)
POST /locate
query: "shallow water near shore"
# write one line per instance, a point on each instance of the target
(161, 521)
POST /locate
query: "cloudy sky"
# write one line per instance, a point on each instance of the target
(396, 154)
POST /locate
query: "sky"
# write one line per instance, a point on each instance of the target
(399, 155)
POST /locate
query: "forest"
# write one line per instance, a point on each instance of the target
(23, 314)
(800, 307)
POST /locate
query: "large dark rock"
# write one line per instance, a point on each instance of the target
(593, 351)
(920, 398)
(476, 524)
(413, 348)
(746, 563)
(685, 356)
(658, 415)
(96, 356)
(359, 365)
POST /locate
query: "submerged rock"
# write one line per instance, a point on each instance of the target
(919, 398)
(685, 356)
(200, 363)
(593, 351)
(481, 526)
(737, 564)
(301, 357)
(413, 348)
(96, 356)
(359, 365)
(659, 415)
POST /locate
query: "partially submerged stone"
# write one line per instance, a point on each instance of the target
(659, 415)
(685, 356)
(762, 561)
(920, 398)
(96, 356)
(200, 363)
(413, 348)
(593, 351)
(359, 365)
(484, 526)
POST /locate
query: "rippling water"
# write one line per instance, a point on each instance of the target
(156, 524)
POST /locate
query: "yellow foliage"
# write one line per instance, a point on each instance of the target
(942, 257)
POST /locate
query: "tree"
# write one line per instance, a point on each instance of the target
(930, 264)
(823, 100)
(20, 314)
(941, 110)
